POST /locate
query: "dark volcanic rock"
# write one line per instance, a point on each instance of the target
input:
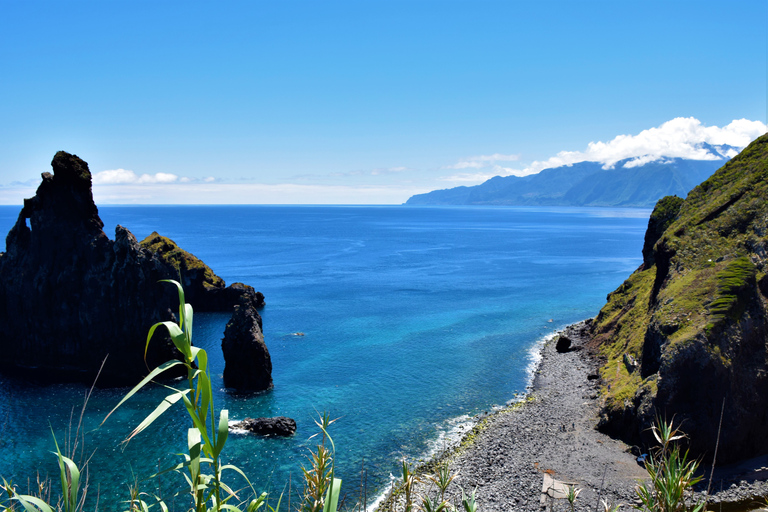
(248, 365)
(563, 343)
(70, 296)
(277, 426)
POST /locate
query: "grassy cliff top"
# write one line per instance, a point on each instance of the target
(184, 262)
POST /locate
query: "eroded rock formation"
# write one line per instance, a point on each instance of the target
(70, 296)
(248, 364)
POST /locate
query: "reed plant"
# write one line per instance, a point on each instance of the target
(73, 477)
(672, 474)
(70, 500)
(442, 479)
(571, 495)
(202, 467)
(468, 502)
(321, 487)
(409, 482)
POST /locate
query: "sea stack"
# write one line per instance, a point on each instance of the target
(248, 366)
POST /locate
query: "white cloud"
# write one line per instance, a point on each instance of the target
(682, 137)
(481, 161)
(124, 177)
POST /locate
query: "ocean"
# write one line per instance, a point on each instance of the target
(414, 320)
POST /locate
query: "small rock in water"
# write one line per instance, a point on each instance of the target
(277, 426)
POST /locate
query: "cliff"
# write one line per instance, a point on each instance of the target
(69, 295)
(687, 332)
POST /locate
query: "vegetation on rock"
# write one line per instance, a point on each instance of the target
(695, 316)
(189, 267)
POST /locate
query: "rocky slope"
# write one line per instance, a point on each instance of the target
(687, 333)
(69, 295)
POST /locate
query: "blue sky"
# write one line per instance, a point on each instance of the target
(364, 101)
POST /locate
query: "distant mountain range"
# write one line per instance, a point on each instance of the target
(584, 184)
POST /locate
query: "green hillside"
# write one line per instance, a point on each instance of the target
(687, 332)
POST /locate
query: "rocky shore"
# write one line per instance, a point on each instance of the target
(551, 437)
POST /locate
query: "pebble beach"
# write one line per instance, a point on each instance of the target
(517, 458)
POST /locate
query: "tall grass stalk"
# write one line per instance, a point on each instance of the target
(321, 487)
(671, 473)
(202, 467)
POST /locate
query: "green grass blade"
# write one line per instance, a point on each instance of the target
(74, 481)
(32, 503)
(181, 295)
(193, 443)
(163, 406)
(223, 432)
(204, 392)
(241, 473)
(188, 321)
(226, 506)
(198, 425)
(202, 358)
(154, 373)
(69, 486)
(332, 496)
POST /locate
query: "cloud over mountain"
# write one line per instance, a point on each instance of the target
(681, 137)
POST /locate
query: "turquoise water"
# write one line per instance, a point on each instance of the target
(413, 317)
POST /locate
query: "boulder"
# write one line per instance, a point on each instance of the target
(277, 426)
(563, 343)
(248, 366)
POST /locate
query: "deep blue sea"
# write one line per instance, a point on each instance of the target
(414, 318)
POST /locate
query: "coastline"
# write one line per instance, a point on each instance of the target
(550, 431)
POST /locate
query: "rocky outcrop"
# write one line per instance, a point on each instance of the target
(203, 289)
(248, 364)
(277, 426)
(663, 215)
(694, 317)
(70, 296)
